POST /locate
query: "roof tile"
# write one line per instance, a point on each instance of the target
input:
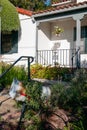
(24, 11)
(53, 8)
(59, 7)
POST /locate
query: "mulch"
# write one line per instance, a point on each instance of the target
(9, 113)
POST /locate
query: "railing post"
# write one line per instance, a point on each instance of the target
(78, 59)
(72, 63)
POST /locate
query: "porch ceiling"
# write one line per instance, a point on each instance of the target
(60, 20)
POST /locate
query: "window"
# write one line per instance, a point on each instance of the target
(9, 42)
(83, 32)
(83, 37)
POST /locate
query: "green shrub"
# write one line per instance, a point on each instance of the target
(34, 70)
(17, 71)
(57, 91)
(48, 72)
(9, 15)
(34, 105)
(72, 98)
(78, 125)
(75, 96)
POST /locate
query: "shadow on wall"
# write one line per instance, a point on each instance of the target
(84, 64)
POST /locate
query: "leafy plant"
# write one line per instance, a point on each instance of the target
(49, 72)
(57, 30)
(35, 105)
(34, 5)
(17, 71)
(74, 98)
(57, 91)
(75, 126)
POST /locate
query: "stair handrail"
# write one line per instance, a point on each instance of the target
(75, 54)
(30, 60)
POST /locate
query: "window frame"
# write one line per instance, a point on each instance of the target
(10, 41)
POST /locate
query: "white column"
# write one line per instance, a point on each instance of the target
(36, 58)
(78, 17)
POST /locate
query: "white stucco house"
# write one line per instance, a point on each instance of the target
(26, 40)
(38, 40)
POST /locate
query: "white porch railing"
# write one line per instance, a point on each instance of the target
(61, 57)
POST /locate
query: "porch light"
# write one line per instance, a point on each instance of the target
(57, 30)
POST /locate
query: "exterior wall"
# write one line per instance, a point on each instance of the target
(44, 36)
(82, 42)
(80, 1)
(83, 58)
(66, 38)
(26, 44)
(47, 40)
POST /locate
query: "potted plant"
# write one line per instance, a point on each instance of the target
(58, 30)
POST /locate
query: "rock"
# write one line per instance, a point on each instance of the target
(56, 119)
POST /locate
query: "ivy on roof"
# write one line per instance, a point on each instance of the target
(9, 16)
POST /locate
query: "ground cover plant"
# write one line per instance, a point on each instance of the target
(38, 109)
(72, 98)
(37, 71)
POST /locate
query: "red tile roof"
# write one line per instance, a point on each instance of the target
(24, 11)
(61, 7)
(53, 8)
